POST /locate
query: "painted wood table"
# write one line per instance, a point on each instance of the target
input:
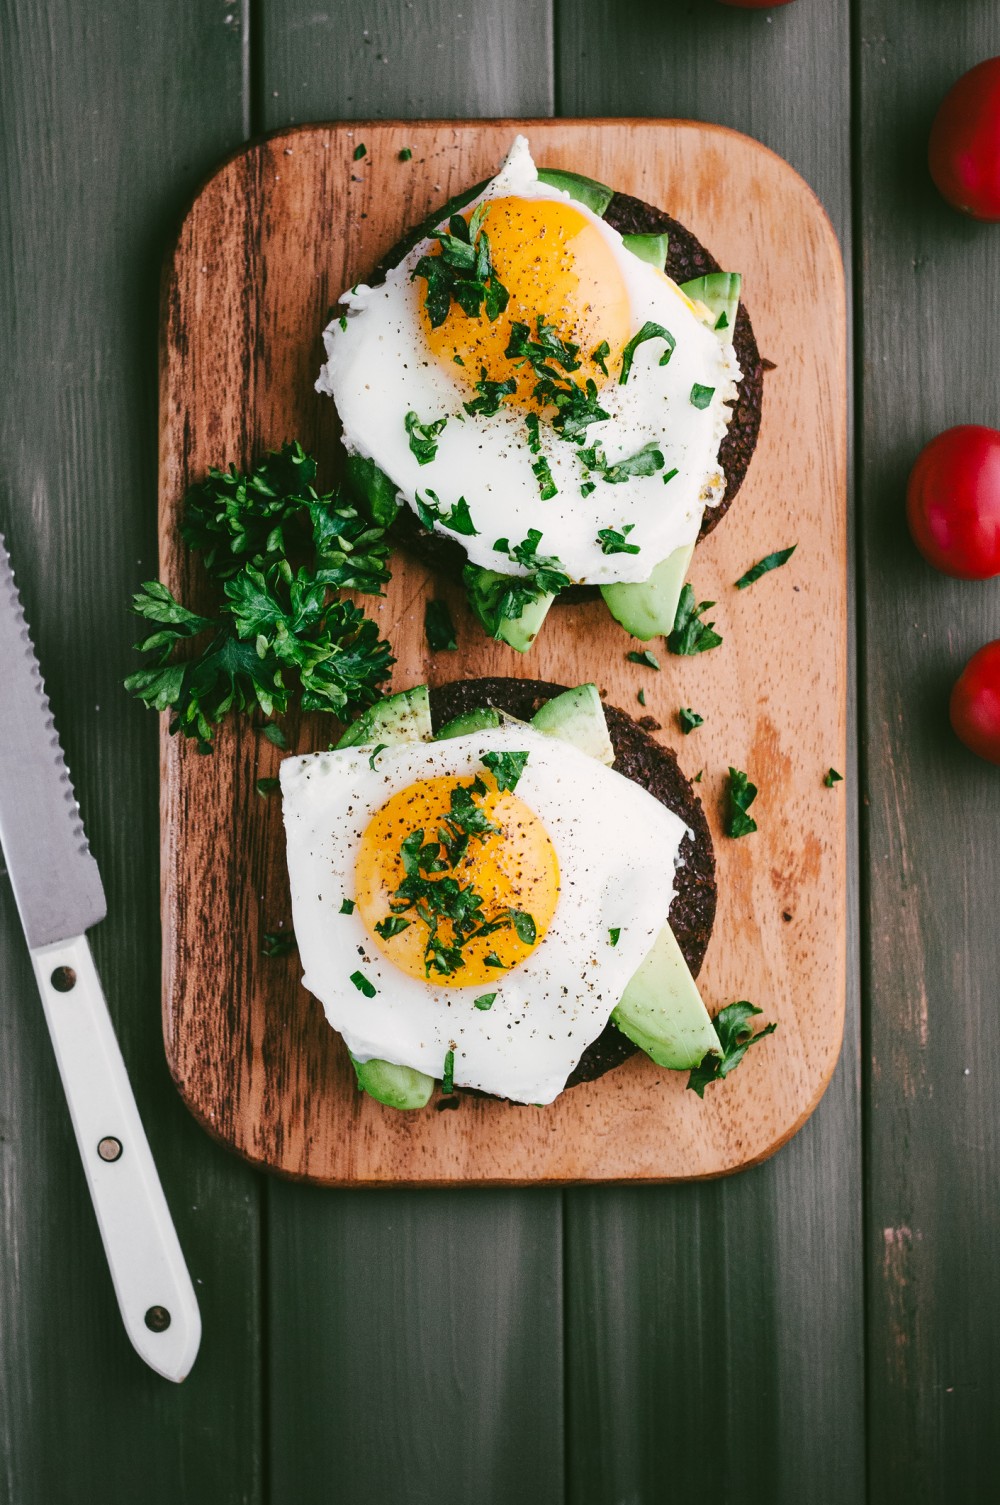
(817, 1328)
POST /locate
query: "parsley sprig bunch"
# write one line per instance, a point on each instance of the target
(462, 272)
(278, 551)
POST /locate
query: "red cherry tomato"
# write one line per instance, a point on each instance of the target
(964, 152)
(953, 502)
(975, 703)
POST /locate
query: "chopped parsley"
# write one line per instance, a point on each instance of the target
(576, 406)
(448, 1077)
(649, 331)
(458, 518)
(524, 926)
(613, 542)
(614, 934)
(360, 151)
(832, 777)
(545, 573)
(492, 960)
(405, 154)
(697, 777)
(641, 697)
(769, 562)
(484, 1001)
(391, 926)
(588, 487)
(506, 768)
(462, 272)
(740, 796)
(669, 475)
(347, 907)
(439, 627)
(491, 395)
(278, 942)
(362, 984)
(691, 635)
(722, 322)
(701, 396)
(735, 1032)
(689, 719)
(646, 657)
(599, 356)
(423, 437)
(547, 487)
(267, 786)
(645, 462)
(374, 754)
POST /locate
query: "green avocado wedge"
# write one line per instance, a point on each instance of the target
(577, 716)
(720, 293)
(662, 1011)
(404, 717)
(489, 596)
(481, 719)
(651, 248)
(587, 191)
(395, 1086)
(647, 608)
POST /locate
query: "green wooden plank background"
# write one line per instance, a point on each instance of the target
(755, 1339)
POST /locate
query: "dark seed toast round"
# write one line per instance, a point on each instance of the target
(639, 758)
(686, 258)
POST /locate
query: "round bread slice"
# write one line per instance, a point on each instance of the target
(686, 258)
(643, 760)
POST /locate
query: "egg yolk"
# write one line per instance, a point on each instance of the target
(555, 263)
(512, 868)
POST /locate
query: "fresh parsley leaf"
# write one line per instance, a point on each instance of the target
(645, 462)
(600, 356)
(391, 926)
(649, 331)
(646, 657)
(669, 475)
(701, 396)
(740, 795)
(546, 571)
(690, 635)
(722, 322)
(458, 518)
(448, 1076)
(278, 942)
(613, 542)
(439, 628)
(697, 777)
(506, 768)
(588, 487)
(735, 1032)
(484, 1001)
(491, 395)
(360, 151)
(492, 960)
(347, 907)
(423, 437)
(551, 359)
(547, 350)
(373, 756)
(641, 697)
(462, 272)
(547, 488)
(362, 984)
(614, 934)
(769, 562)
(405, 154)
(689, 719)
(524, 926)
(833, 777)
(267, 786)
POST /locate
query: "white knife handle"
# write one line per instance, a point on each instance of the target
(151, 1280)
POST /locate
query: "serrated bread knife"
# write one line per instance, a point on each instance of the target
(59, 896)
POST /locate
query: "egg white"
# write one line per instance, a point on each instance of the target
(379, 368)
(617, 848)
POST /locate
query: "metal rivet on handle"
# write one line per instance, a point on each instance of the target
(157, 1319)
(110, 1148)
(63, 979)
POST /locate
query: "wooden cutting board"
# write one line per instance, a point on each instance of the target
(269, 244)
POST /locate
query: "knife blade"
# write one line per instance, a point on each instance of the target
(59, 895)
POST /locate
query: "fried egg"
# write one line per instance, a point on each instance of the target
(582, 858)
(493, 478)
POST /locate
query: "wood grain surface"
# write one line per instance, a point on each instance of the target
(264, 251)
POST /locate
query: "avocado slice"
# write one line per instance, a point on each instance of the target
(720, 293)
(577, 716)
(647, 608)
(395, 1086)
(373, 487)
(489, 598)
(662, 1010)
(651, 248)
(591, 194)
(405, 717)
(480, 719)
